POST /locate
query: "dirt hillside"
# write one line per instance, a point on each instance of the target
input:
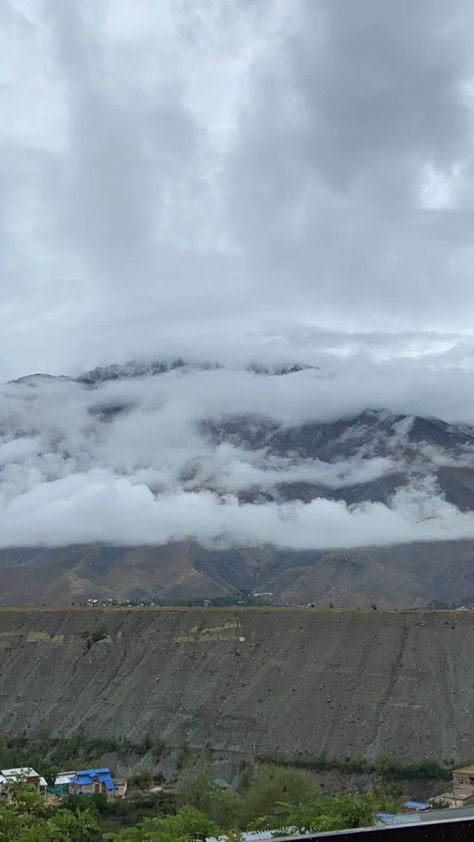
(418, 575)
(349, 683)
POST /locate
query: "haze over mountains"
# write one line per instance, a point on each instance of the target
(250, 477)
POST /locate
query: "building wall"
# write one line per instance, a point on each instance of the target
(84, 789)
(88, 789)
(463, 779)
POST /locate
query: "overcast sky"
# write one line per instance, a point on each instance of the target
(199, 174)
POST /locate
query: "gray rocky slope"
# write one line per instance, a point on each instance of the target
(293, 682)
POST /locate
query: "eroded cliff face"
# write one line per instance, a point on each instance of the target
(349, 683)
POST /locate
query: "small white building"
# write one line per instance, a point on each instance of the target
(22, 774)
(62, 781)
(462, 788)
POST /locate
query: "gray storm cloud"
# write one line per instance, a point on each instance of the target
(174, 172)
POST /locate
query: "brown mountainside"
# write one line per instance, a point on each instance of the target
(407, 575)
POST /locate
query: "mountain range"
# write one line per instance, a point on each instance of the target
(187, 435)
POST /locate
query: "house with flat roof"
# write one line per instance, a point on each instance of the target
(21, 774)
(462, 789)
(62, 781)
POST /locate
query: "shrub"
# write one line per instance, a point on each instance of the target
(100, 633)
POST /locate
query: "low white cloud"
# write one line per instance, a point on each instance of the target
(130, 461)
(99, 507)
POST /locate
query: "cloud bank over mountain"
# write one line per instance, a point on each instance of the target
(228, 456)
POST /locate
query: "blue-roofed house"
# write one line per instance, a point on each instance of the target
(415, 807)
(382, 816)
(92, 782)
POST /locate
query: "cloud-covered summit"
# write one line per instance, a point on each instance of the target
(300, 457)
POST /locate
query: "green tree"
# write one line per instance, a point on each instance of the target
(28, 819)
(26, 800)
(196, 783)
(80, 826)
(271, 785)
(188, 825)
(196, 788)
(322, 814)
